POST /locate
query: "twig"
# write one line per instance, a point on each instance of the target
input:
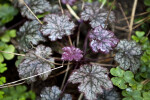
(135, 16)
(102, 5)
(70, 41)
(31, 76)
(132, 19)
(81, 96)
(72, 12)
(83, 4)
(31, 12)
(78, 36)
(145, 81)
(148, 33)
(109, 13)
(124, 15)
(62, 11)
(13, 53)
(13, 85)
(65, 76)
(59, 73)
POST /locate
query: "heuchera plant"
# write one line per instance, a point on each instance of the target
(44, 42)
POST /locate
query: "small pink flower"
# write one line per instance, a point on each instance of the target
(71, 53)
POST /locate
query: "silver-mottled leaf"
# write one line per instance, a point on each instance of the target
(93, 79)
(102, 40)
(67, 97)
(57, 26)
(53, 93)
(128, 55)
(32, 64)
(96, 16)
(37, 6)
(110, 95)
(29, 35)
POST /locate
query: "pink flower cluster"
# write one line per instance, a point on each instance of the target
(71, 53)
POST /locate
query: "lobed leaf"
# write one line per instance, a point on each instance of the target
(29, 35)
(53, 93)
(71, 53)
(92, 78)
(57, 26)
(102, 40)
(36, 6)
(32, 64)
(128, 55)
(96, 16)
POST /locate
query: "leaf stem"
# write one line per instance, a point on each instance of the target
(70, 41)
(65, 75)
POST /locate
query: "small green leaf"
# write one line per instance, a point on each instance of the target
(117, 72)
(2, 67)
(10, 49)
(12, 33)
(2, 80)
(135, 38)
(139, 34)
(1, 58)
(127, 98)
(119, 82)
(146, 95)
(5, 38)
(143, 39)
(1, 94)
(147, 2)
(128, 76)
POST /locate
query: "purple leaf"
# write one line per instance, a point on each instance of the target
(70, 2)
(96, 16)
(71, 53)
(102, 40)
(92, 78)
(57, 26)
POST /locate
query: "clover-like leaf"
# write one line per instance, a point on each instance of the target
(102, 40)
(29, 35)
(93, 79)
(96, 16)
(37, 6)
(128, 55)
(35, 62)
(53, 93)
(57, 26)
